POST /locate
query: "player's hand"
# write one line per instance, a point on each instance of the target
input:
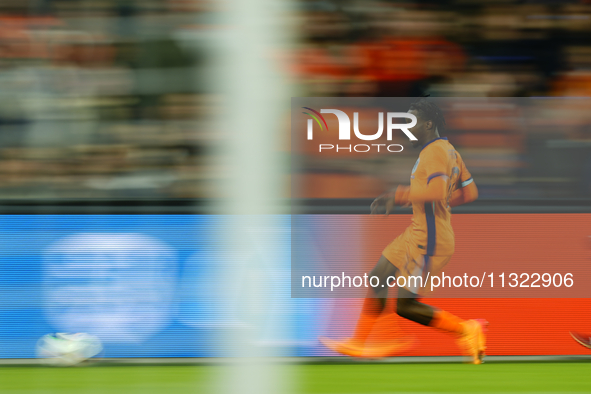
(386, 200)
(376, 204)
(390, 202)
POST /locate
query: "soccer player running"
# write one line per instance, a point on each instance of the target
(438, 182)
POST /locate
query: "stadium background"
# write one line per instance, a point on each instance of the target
(114, 158)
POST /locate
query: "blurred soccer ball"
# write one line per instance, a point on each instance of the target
(68, 349)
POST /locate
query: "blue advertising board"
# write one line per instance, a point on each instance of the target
(146, 285)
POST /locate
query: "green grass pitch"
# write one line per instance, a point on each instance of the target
(310, 378)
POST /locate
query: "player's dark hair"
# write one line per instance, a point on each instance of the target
(429, 111)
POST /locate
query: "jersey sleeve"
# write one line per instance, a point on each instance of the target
(436, 165)
(465, 176)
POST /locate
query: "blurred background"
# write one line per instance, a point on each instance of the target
(119, 99)
(458, 49)
(133, 101)
(107, 99)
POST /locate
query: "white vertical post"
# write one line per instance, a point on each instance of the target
(256, 105)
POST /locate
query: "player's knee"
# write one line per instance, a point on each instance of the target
(383, 269)
(377, 273)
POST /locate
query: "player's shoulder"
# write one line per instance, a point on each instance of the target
(437, 147)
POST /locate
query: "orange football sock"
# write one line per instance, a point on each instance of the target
(447, 322)
(372, 308)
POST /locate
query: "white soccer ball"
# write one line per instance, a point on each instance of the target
(65, 349)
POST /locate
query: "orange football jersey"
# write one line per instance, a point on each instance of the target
(431, 223)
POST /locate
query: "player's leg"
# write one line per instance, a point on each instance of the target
(408, 304)
(393, 256)
(410, 308)
(372, 309)
(375, 302)
(472, 339)
(373, 306)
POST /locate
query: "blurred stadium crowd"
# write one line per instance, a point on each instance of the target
(115, 99)
(103, 99)
(459, 49)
